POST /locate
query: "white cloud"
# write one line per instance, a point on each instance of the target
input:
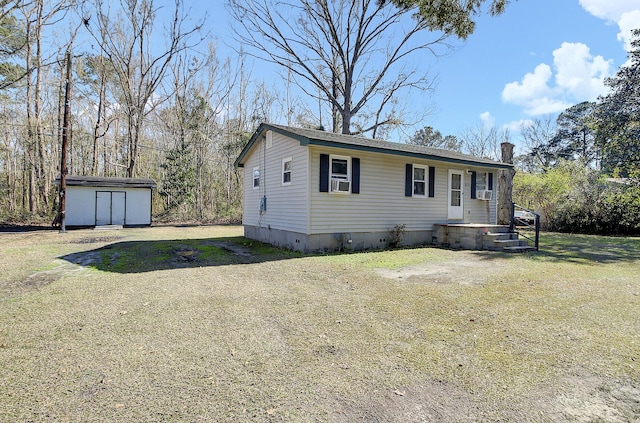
(518, 125)
(533, 85)
(578, 73)
(628, 21)
(575, 74)
(487, 120)
(609, 10)
(624, 13)
(578, 77)
(545, 105)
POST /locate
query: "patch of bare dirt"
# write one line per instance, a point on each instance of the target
(436, 401)
(230, 247)
(464, 270)
(593, 399)
(576, 399)
(45, 277)
(95, 239)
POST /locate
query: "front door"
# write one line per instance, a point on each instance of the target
(110, 207)
(456, 182)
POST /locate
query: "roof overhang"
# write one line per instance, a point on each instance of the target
(466, 162)
(107, 182)
(375, 146)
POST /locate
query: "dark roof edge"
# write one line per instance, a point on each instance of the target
(469, 162)
(110, 182)
(256, 136)
(359, 147)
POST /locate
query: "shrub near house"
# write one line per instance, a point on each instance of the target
(573, 198)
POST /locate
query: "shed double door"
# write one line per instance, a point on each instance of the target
(110, 208)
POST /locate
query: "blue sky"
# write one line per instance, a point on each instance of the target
(536, 60)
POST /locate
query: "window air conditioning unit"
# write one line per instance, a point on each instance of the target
(340, 185)
(484, 194)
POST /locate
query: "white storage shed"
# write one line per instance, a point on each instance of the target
(100, 201)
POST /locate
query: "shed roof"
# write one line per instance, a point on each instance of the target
(107, 182)
(352, 142)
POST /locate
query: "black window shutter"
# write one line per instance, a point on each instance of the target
(355, 175)
(490, 182)
(324, 173)
(408, 180)
(432, 181)
(473, 184)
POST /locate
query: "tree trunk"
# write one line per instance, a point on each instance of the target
(41, 175)
(65, 138)
(10, 169)
(132, 138)
(98, 129)
(505, 185)
(31, 146)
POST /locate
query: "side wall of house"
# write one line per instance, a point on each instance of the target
(286, 203)
(480, 211)
(382, 204)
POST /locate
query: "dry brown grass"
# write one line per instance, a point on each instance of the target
(194, 324)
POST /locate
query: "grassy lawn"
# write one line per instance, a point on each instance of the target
(197, 324)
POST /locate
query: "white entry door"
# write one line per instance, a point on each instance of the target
(110, 207)
(456, 182)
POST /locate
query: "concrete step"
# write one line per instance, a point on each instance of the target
(520, 249)
(107, 227)
(498, 229)
(490, 236)
(504, 242)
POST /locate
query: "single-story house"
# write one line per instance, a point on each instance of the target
(311, 190)
(101, 201)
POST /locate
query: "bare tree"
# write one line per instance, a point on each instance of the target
(349, 54)
(430, 137)
(537, 138)
(482, 141)
(140, 63)
(37, 16)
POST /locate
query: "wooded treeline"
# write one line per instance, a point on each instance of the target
(151, 97)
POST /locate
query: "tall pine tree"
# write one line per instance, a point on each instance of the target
(617, 120)
(179, 181)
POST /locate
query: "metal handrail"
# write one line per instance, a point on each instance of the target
(535, 227)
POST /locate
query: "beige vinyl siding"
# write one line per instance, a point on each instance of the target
(251, 197)
(381, 203)
(476, 210)
(286, 205)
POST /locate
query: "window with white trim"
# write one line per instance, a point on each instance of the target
(482, 180)
(419, 181)
(256, 178)
(287, 166)
(339, 166)
(339, 173)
